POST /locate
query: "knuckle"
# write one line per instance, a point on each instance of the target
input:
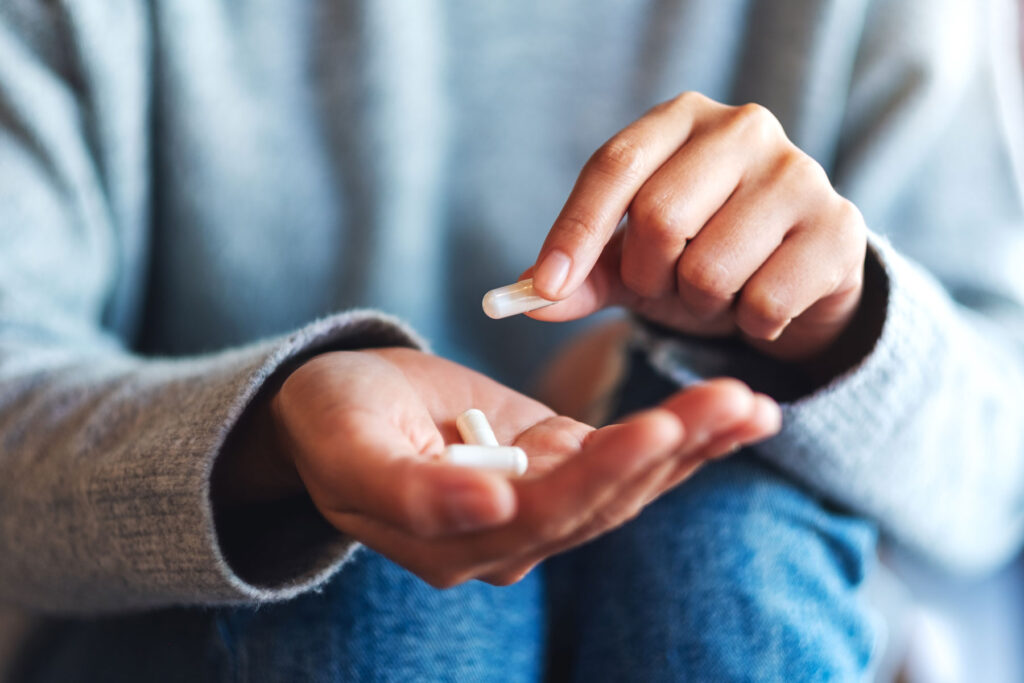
(555, 529)
(411, 505)
(442, 580)
(849, 213)
(767, 307)
(421, 528)
(658, 222)
(510, 577)
(687, 100)
(802, 170)
(706, 275)
(851, 221)
(730, 384)
(622, 513)
(562, 434)
(756, 121)
(579, 228)
(620, 157)
(852, 237)
(634, 276)
(632, 512)
(550, 529)
(643, 281)
(842, 225)
(608, 519)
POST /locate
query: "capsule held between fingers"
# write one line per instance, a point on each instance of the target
(519, 297)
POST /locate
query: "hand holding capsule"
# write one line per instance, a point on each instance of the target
(359, 430)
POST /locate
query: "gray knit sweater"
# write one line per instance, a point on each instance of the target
(179, 178)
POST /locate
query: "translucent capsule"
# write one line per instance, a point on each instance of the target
(475, 429)
(507, 459)
(513, 299)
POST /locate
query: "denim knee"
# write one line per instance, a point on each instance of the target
(738, 574)
(373, 622)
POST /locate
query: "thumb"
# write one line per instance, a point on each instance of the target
(602, 288)
(378, 473)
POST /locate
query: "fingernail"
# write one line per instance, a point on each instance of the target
(552, 272)
(775, 334)
(469, 507)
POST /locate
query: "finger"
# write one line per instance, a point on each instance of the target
(441, 562)
(510, 572)
(718, 414)
(764, 421)
(605, 187)
(601, 289)
(730, 248)
(629, 499)
(709, 408)
(555, 506)
(549, 508)
(813, 262)
(674, 205)
(551, 442)
(380, 474)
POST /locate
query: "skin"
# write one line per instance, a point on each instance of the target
(358, 431)
(730, 230)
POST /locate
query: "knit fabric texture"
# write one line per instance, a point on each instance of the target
(181, 179)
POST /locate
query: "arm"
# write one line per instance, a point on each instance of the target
(902, 379)
(249, 475)
(927, 433)
(106, 456)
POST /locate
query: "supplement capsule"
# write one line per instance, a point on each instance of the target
(507, 459)
(513, 299)
(475, 429)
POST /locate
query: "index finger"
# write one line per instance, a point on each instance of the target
(603, 191)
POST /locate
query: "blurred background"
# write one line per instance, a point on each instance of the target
(944, 630)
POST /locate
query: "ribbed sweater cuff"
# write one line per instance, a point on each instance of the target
(160, 514)
(832, 437)
(830, 434)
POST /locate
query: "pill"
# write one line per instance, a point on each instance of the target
(475, 429)
(513, 299)
(508, 459)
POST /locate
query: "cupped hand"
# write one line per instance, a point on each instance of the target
(730, 229)
(362, 430)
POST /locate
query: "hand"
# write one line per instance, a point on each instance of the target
(360, 429)
(730, 228)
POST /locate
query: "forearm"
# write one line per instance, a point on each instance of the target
(107, 504)
(924, 433)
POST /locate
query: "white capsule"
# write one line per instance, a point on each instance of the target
(475, 429)
(507, 459)
(513, 299)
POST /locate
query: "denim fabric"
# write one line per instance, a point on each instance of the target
(373, 622)
(738, 575)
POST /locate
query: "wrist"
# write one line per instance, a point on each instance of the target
(255, 464)
(859, 336)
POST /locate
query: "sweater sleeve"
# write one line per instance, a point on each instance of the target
(105, 455)
(926, 432)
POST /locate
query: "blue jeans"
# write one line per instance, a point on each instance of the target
(738, 575)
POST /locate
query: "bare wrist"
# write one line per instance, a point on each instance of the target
(254, 465)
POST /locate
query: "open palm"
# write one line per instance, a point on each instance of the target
(362, 429)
